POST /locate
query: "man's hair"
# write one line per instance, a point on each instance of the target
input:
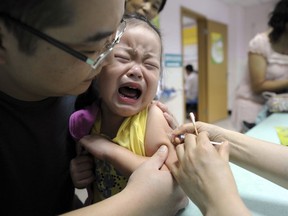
(39, 14)
(189, 68)
(278, 20)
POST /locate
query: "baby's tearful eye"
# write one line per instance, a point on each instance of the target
(122, 58)
(152, 66)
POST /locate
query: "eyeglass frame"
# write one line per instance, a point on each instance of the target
(93, 63)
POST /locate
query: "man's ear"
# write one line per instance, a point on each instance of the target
(3, 52)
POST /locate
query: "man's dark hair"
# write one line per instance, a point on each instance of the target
(40, 14)
(278, 20)
(162, 6)
(189, 68)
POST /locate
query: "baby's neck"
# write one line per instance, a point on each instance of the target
(110, 123)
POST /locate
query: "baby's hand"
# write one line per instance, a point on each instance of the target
(81, 170)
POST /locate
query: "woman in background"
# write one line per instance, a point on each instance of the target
(150, 8)
(267, 69)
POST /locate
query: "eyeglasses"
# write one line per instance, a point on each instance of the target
(93, 63)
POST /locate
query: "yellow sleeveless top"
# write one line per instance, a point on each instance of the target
(130, 135)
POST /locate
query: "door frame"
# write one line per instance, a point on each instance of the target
(202, 63)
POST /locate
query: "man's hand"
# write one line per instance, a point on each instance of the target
(160, 194)
(171, 120)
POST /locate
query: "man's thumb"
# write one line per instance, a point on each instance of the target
(160, 156)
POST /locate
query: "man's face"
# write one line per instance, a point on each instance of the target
(148, 8)
(51, 71)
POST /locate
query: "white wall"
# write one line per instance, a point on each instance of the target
(243, 24)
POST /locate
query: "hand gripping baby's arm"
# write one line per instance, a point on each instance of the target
(121, 158)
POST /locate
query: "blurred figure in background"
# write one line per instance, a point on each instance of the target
(191, 89)
(267, 69)
(150, 9)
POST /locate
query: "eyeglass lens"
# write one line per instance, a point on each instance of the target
(116, 40)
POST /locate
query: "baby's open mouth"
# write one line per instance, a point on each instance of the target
(130, 92)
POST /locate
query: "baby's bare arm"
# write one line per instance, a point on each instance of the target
(121, 158)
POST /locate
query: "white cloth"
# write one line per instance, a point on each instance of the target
(247, 104)
(191, 86)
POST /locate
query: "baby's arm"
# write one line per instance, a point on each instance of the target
(157, 133)
(121, 158)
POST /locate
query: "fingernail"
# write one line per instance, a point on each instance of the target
(163, 148)
(182, 136)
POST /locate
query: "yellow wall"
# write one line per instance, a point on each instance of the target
(190, 35)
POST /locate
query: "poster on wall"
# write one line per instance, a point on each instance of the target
(217, 48)
(173, 60)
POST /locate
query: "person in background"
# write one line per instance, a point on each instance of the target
(204, 182)
(50, 50)
(148, 8)
(267, 69)
(123, 114)
(191, 89)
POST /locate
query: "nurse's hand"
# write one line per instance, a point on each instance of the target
(214, 132)
(204, 173)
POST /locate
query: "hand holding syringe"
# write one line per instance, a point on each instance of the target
(192, 117)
